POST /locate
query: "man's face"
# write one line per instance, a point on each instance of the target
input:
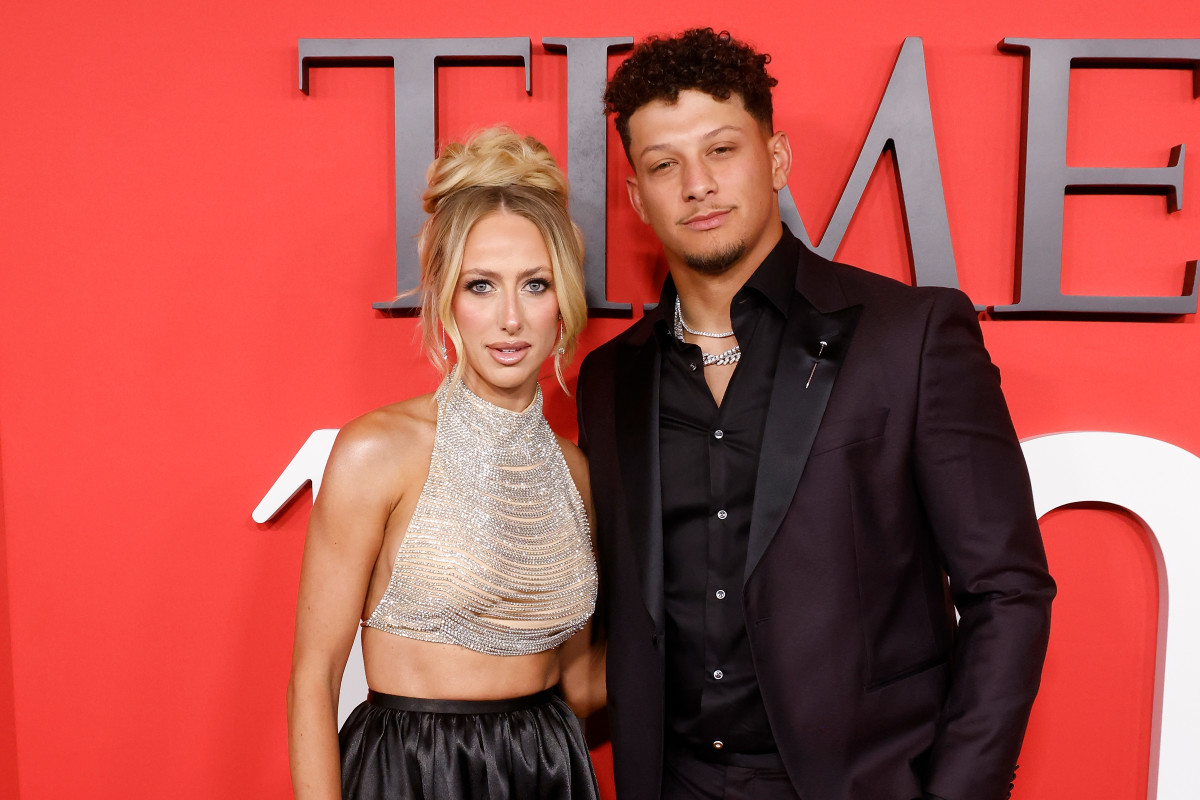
(706, 179)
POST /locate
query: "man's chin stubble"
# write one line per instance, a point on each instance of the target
(717, 262)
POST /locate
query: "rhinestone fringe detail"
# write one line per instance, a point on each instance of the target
(498, 555)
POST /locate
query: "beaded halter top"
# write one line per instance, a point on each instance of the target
(498, 555)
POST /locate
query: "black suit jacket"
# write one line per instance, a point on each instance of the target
(890, 466)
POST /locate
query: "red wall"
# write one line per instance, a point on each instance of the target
(189, 254)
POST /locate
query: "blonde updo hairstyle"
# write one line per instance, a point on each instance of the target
(496, 170)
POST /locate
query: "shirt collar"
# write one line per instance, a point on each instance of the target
(775, 279)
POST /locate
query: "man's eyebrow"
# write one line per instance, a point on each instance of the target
(715, 133)
(710, 135)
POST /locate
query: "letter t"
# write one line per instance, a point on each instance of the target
(414, 63)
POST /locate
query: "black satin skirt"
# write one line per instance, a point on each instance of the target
(404, 748)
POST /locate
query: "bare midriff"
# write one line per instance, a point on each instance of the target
(413, 668)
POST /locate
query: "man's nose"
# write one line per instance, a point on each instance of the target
(698, 181)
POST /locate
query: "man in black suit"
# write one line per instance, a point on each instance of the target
(801, 470)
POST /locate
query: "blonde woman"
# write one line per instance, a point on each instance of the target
(454, 525)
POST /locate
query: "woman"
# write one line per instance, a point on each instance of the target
(455, 525)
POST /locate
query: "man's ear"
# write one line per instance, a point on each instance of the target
(635, 197)
(781, 159)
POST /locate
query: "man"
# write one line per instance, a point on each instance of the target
(801, 470)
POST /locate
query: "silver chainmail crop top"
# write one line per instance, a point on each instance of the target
(498, 555)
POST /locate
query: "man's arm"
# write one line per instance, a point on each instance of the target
(975, 488)
(580, 391)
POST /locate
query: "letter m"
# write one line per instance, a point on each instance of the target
(903, 124)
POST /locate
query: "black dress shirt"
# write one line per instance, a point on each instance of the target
(709, 463)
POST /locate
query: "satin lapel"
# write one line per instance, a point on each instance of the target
(803, 380)
(637, 444)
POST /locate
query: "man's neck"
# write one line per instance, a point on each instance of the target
(706, 298)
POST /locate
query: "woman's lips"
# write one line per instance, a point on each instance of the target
(508, 353)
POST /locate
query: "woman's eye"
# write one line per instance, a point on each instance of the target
(538, 285)
(478, 287)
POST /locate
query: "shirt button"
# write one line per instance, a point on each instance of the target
(719, 434)
(718, 744)
(722, 514)
(718, 674)
(720, 594)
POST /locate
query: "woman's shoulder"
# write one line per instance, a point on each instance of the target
(390, 437)
(407, 417)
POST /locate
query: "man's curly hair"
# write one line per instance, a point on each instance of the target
(714, 63)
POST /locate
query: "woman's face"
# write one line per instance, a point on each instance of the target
(506, 309)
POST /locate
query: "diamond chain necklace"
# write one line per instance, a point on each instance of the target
(731, 356)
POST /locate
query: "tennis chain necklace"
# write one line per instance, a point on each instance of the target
(731, 356)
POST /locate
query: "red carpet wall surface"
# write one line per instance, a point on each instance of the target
(191, 247)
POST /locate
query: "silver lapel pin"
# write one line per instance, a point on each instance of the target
(820, 350)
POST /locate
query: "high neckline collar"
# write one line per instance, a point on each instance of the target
(457, 390)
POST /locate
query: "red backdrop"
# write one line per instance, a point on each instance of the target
(191, 247)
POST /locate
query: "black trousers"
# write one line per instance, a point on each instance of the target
(686, 777)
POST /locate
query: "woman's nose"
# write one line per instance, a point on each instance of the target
(511, 319)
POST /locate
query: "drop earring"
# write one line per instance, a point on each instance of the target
(445, 354)
(559, 353)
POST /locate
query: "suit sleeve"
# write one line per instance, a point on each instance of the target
(584, 395)
(975, 488)
(581, 390)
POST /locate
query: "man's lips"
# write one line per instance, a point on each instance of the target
(508, 353)
(706, 221)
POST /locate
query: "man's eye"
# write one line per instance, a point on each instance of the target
(722, 149)
(660, 166)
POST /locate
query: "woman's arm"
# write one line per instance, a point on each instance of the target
(581, 660)
(345, 533)
(581, 673)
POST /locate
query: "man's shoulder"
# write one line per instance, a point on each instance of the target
(876, 292)
(606, 354)
(866, 282)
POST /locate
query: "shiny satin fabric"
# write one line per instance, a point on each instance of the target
(402, 748)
